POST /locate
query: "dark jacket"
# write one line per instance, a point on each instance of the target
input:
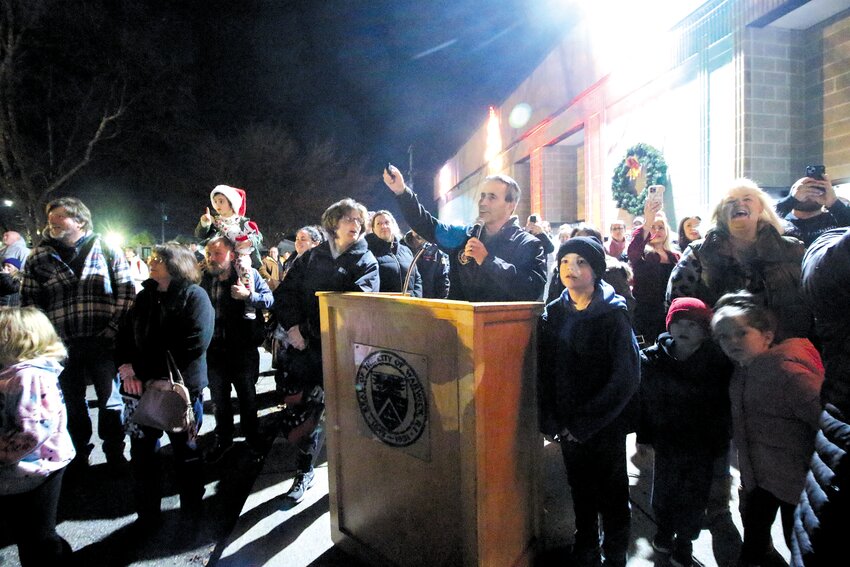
(822, 516)
(354, 270)
(685, 404)
(180, 320)
(650, 285)
(10, 290)
(588, 364)
(515, 267)
(394, 260)
(237, 331)
(433, 266)
(807, 230)
(708, 269)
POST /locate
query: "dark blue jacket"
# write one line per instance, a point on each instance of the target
(180, 320)
(515, 267)
(394, 260)
(823, 514)
(354, 270)
(588, 364)
(433, 265)
(685, 404)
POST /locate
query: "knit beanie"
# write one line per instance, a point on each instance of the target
(689, 308)
(234, 195)
(14, 261)
(589, 248)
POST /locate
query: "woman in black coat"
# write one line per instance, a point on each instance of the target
(171, 314)
(393, 255)
(342, 263)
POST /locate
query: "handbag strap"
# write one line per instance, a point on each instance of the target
(173, 371)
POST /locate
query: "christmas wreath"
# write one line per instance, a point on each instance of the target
(640, 159)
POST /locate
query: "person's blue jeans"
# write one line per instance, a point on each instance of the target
(93, 359)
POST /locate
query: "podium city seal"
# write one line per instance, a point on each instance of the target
(391, 398)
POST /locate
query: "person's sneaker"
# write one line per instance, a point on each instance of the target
(662, 542)
(221, 447)
(302, 482)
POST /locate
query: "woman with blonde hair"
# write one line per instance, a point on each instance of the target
(746, 249)
(652, 259)
(395, 259)
(35, 446)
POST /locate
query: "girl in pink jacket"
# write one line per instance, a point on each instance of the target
(35, 446)
(775, 396)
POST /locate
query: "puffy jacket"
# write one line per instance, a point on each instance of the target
(685, 404)
(823, 514)
(34, 438)
(708, 269)
(775, 407)
(394, 259)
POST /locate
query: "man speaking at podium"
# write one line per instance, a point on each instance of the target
(491, 260)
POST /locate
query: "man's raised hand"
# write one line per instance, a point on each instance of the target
(394, 179)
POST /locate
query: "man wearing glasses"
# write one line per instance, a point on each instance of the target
(492, 260)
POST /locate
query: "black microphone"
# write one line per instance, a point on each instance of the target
(476, 230)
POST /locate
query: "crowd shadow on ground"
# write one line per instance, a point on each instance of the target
(97, 513)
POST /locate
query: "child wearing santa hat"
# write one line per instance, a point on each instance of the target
(230, 203)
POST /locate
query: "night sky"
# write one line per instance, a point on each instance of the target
(375, 76)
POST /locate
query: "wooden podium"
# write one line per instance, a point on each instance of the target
(433, 445)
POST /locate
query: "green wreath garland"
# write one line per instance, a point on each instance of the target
(652, 163)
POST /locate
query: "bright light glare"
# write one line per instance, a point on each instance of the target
(492, 154)
(8, 202)
(114, 239)
(445, 180)
(520, 115)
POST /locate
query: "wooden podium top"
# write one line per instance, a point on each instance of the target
(443, 303)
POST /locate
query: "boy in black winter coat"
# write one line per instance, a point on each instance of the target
(685, 416)
(589, 372)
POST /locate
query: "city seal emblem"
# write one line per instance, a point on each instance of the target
(391, 398)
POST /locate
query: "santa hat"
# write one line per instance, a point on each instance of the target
(689, 308)
(234, 195)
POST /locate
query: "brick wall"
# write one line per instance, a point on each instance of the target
(774, 108)
(828, 97)
(559, 183)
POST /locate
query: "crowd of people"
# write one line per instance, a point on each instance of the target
(735, 339)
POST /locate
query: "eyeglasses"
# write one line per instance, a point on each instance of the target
(352, 220)
(155, 260)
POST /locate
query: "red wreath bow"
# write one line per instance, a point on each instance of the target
(634, 167)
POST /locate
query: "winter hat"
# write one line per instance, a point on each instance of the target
(589, 248)
(689, 308)
(234, 195)
(14, 261)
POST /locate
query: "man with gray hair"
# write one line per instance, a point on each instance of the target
(84, 287)
(14, 246)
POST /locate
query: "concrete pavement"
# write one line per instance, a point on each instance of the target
(247, 522)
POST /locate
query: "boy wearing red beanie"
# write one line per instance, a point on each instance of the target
(685, 416)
